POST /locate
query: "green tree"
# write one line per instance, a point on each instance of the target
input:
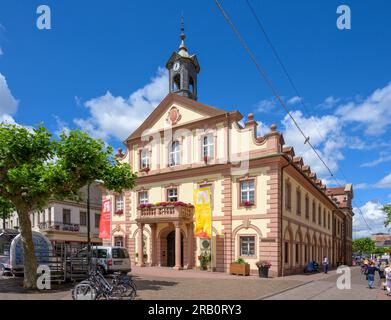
(35, 167)
(387, 210)
(6, 210)
(363, 245)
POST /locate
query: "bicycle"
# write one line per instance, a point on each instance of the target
(96, 287)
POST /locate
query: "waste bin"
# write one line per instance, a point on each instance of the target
(263, 272)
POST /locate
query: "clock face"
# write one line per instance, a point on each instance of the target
(176, 66)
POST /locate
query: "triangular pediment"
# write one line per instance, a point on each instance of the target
(186, 111)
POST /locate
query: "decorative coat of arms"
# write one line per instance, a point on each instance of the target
(173, 116)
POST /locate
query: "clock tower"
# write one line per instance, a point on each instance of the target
(183, 70)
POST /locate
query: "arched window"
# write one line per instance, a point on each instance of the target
(175, 154)
(176, 83)
(191, 85)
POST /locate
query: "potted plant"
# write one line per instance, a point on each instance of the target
(119, 212)
(145, 169)
(204, 259)
(240, 267)
(263, 268)
(248, 203)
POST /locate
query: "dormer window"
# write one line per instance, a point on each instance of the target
(175, 154)
(145, 159)
(208, 147)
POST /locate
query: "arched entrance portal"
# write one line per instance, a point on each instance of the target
(171, 249)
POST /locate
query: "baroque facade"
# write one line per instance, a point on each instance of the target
(266, 203)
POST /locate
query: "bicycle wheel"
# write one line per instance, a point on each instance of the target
(84, 291)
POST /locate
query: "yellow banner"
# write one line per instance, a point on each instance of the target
(203, 218)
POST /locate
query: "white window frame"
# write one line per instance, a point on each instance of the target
(248, 243)
(143, 197)
(175, 154)
(247, 190)
(119, 203)
(208, 146)
(173, 195)
(145, 159)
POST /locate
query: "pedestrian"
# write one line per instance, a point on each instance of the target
(370, 273)
(387, 273)
(382, 267)
(325, 264)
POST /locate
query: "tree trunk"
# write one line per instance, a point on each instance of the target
(4, 217)
(29, 259)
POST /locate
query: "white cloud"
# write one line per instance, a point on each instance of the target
(117, 117)
(385, 182)
(374, 113)
(265, 106)
(325, 134)
(374, 163)
(361, 186)
(294, 100)
(329, 102)
(373, 215)
(8, 104)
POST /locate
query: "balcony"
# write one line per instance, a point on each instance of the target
(59, 226)
(165, 211)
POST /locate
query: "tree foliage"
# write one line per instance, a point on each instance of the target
(35, 167)
(364, 245)
(387, 210)
(6, 209)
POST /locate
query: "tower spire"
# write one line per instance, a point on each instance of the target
(182, 47)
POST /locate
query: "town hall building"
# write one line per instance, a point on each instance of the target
(266, 202)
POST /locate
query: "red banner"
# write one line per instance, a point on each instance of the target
(105, 219)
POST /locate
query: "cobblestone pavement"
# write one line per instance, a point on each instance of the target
(326, 289)
(167, 284)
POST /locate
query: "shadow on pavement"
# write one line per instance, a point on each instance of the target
(154, 285)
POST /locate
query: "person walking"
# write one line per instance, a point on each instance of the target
(370, 273)
(325, 264)
(387, 273)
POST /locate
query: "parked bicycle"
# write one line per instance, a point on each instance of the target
(96, 287)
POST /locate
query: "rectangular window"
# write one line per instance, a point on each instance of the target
(298, 202)
(175, 153)
(97, 220)
(247, 191)
(66, 216)
(119, 241)
(143, 197)
(286, 252)
(208, 147)
(307, 207)
(324, 218)
(83, 218)
(297, 248)
(288, 196)
(319, 215)
(247, 246)
(313, 211)
(305, 254)
(145, 160)
(172, 195)
(119, 204)
(328, 221)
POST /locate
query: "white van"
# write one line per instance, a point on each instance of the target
(108, 259)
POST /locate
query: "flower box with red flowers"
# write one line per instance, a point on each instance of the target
(146, 170)
(206, 159)
(145, 205)
(248, 203)
(119, 212)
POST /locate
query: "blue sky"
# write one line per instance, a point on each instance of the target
(100, 68)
